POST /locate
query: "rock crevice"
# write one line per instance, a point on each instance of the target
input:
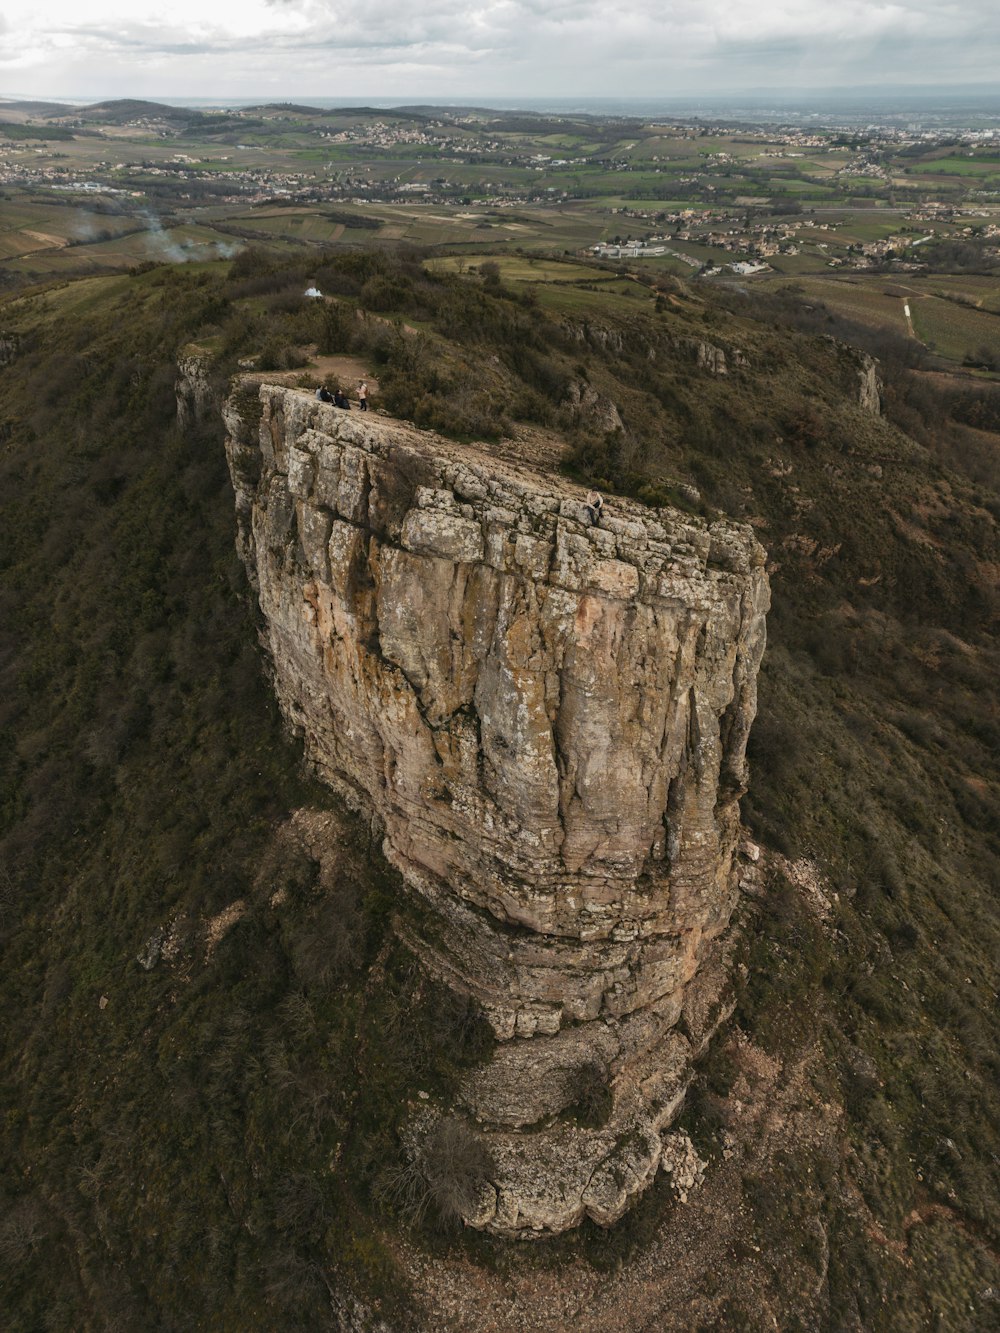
(548, 719)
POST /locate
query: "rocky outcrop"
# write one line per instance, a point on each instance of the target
(716, 360)
(869, 384)
(548, 720)
(10, 347)
(197, 397)
(592, 409)
(863, 382)
(616, 341)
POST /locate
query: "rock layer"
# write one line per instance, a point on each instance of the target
(548, 719)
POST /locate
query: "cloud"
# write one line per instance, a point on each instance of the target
(567, 47)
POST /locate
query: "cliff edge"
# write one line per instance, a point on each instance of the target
(548, 720)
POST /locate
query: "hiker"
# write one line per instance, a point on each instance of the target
(362, 395)
(595, 503)
(340, 399)
(324, 395)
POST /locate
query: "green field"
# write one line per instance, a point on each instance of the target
(567, 288)
(860, 229)
(28, 226)
(945, 327)
(523, 269)
(959, 166)
(306, 225)
(952, 330)
(981, 291)
(863, 299)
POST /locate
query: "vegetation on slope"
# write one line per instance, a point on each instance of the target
(195, 1142)
(209, 1148)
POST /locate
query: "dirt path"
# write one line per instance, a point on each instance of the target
(909, 319)
(344, 372)
(48, 241)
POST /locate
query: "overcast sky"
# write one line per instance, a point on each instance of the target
(294, 49)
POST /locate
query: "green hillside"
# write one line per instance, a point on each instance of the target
(205, 1138)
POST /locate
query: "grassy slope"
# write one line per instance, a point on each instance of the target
(169, 1156)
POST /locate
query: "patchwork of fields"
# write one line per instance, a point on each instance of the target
(863, 222)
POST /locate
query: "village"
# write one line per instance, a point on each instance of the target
(757, 237)
(704, 198)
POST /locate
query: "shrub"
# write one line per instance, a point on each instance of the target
(456, 1165)
(277, 355)
(591, 1097)
(457, 1022)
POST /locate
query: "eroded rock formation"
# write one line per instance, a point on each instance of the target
(863, 380)
(10, 347)
(197, 397)
(548, 719)
(869, 384)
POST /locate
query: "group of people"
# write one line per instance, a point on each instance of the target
(339, 399)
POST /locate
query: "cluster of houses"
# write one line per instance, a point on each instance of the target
(627, 250)
(382, 134)
(864, 166)
(756, 240)
(253, 184)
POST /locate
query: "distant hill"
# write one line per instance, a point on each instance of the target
(15, 110)
(124, 109)
(288, 106)
(328, 112)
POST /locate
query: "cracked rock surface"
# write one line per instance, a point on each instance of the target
(548, 719)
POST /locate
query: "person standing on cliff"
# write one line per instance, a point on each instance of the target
(362, 395)
(595, 503)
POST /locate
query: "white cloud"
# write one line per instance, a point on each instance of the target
(567, 47)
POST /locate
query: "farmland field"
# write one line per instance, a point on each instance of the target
(973, 165)
(949, 328)
(981, 290)
(518, 269)
(179, 244)
(861, 299)
(475, 183)
(954, 331)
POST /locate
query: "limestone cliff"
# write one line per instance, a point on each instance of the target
(869, 384)
(197, 397)
(548, 720)
(863, 379)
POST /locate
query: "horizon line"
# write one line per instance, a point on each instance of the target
(879, 90)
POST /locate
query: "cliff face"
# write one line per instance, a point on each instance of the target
(197, 398)
(870, 384)
(548, 719)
